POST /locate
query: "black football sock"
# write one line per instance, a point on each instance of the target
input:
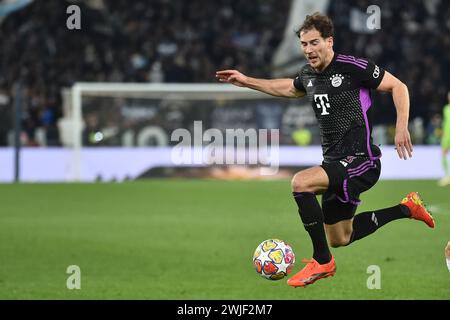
(312, 218)
(368, 222)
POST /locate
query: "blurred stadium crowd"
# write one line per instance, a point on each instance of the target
(186, 41)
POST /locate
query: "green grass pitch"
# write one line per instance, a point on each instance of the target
(194, 239)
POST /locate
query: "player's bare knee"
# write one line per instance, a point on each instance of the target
(447, 250)
(301, 183)
(339, 241)
(334, 243)
(296, 182)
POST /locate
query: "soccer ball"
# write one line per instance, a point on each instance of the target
(273, 259)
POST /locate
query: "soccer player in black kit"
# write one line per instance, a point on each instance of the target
(339, 89)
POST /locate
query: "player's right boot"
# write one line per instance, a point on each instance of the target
(417, 209)
(312, 272)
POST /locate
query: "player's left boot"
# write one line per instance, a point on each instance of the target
(312, 272)
(417, 209)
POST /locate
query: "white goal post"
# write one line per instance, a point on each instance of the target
(166, 91)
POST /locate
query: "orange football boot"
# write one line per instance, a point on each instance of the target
(311, 272)
(417, 209)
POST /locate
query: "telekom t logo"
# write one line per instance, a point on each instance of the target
(322, 101)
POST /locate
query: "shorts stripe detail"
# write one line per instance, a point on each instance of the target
(371, 164)
(358, 167)
(347, 197)
(363, 171)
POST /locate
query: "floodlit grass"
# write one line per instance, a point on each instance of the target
(194, 239)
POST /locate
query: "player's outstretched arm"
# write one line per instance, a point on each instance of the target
(275, 87)
(400, 96)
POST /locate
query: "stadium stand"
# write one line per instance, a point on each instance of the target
(180, 41)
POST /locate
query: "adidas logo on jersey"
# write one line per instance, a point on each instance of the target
(310, 84)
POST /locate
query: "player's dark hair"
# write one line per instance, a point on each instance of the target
(320, 22)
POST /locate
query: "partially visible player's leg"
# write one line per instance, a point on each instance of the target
(340, 202)
(445, 160)
(339, 234)
(446, 179)
(368, 222)
(338, 218)
(342, 228)
(447, 255)
(305, 185)
(345, 232)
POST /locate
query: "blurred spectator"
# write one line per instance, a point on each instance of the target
(139, 41)
(186, 41)
(413, 43)
(434, 130)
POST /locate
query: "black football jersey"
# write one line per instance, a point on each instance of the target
(341, 98)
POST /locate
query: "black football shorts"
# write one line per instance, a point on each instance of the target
(348, 178)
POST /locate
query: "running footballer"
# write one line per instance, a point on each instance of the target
(338, 88)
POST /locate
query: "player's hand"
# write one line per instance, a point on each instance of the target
(403, 143)
(233, 77)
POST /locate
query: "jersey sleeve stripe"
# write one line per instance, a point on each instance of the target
(356, 63)
(364, 98)
(351, 58)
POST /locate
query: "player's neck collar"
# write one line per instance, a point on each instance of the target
(328, 66)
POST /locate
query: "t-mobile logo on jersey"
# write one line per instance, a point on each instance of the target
(322, 101)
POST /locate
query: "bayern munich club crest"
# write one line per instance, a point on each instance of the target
(336, 80)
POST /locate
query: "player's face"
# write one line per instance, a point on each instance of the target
(316, 48)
